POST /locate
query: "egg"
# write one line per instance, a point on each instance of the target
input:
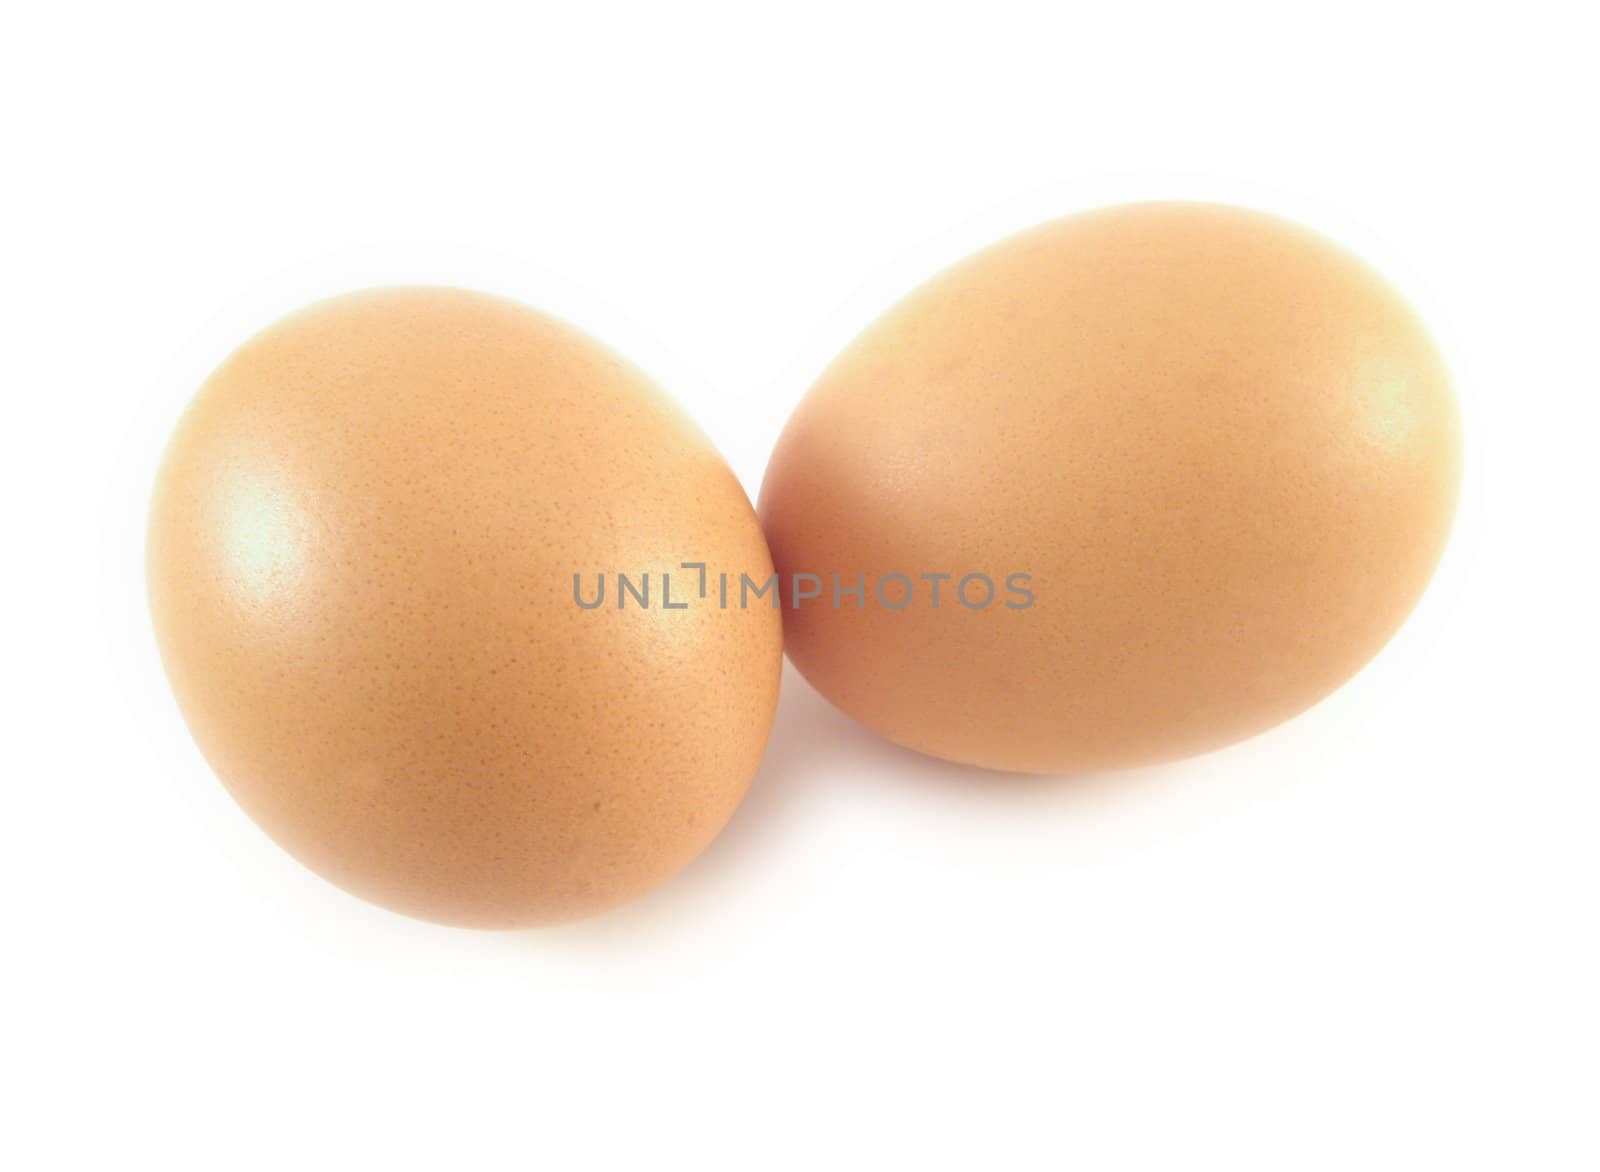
(426, 570)
(1128, 486)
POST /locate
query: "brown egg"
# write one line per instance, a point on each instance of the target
(1205, 460)
(362, 558)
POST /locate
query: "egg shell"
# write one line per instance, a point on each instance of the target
(361, 562)
(1222, 450)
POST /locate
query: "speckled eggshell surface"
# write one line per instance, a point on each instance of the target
(1223, 450)
(361, 565)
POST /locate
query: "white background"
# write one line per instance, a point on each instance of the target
(1365, 940)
